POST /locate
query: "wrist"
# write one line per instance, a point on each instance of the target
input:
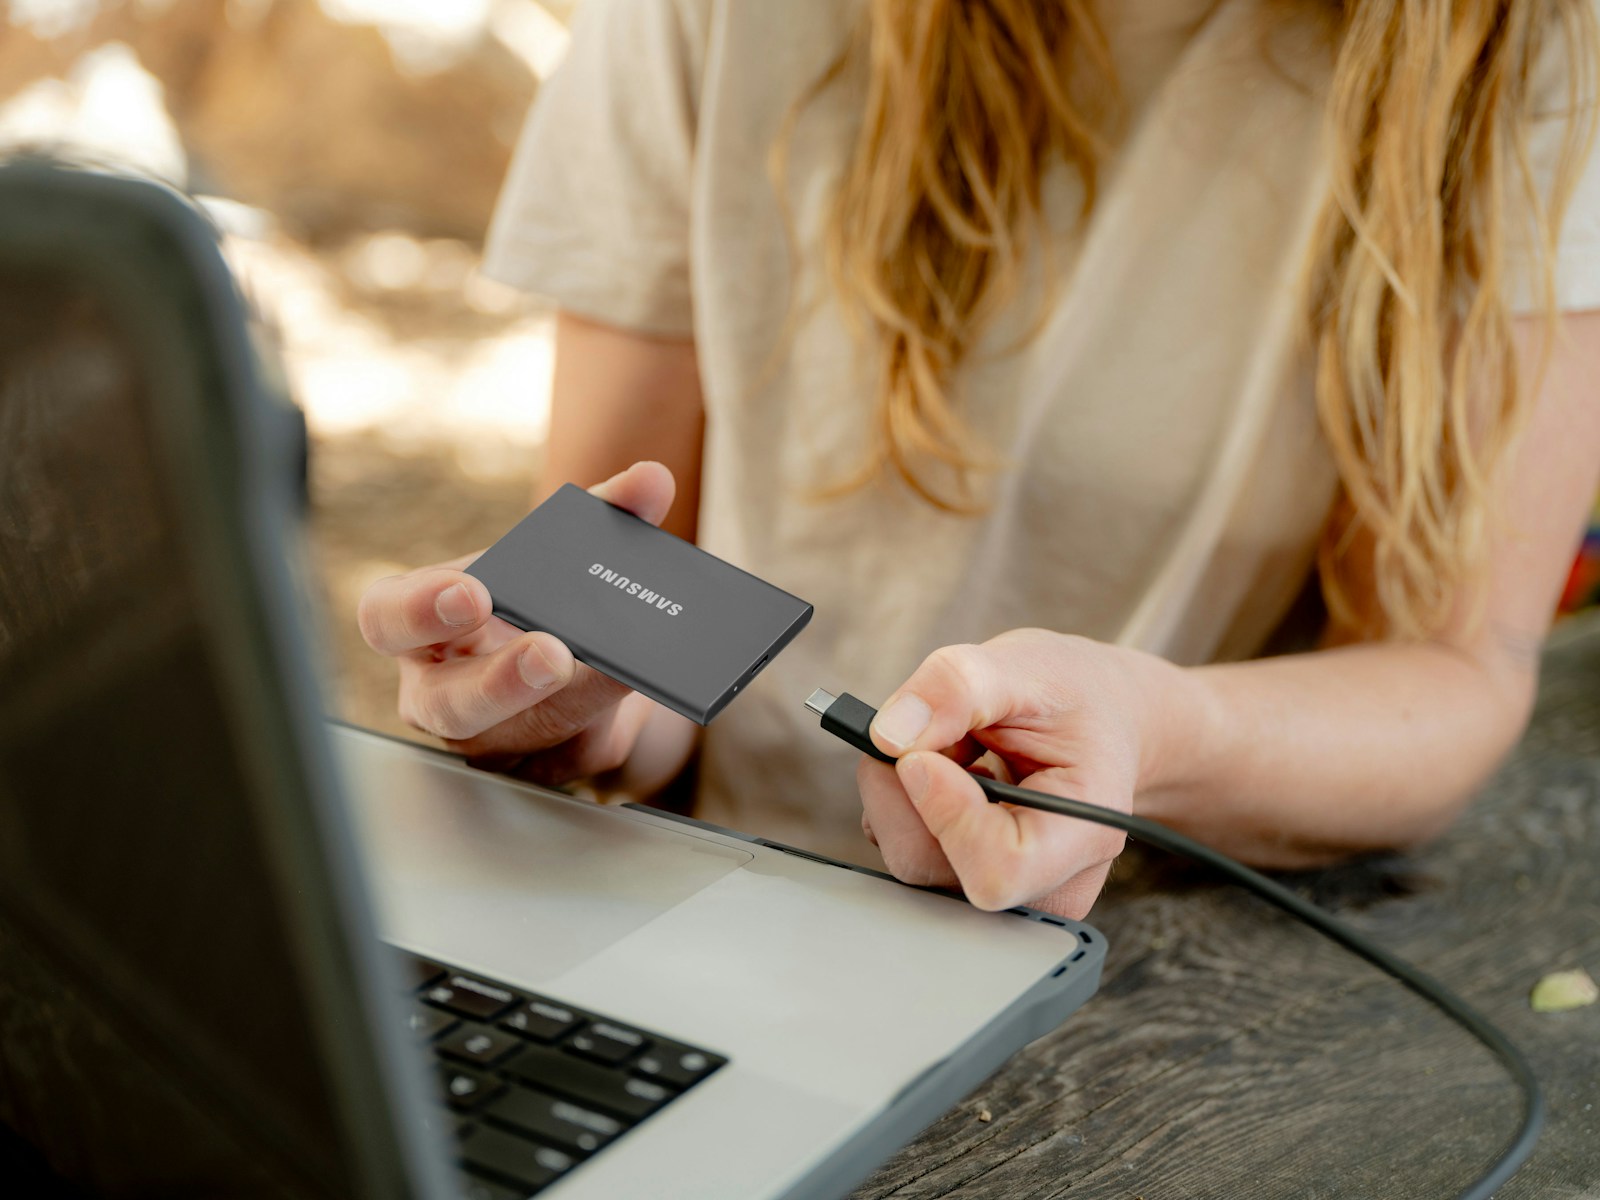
(1181, 731)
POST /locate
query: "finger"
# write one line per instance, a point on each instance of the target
(459, 698)
(1003, 854)
(990, 765)
(1095, 844)
(602, 746)
(956, 689)
(645, 489)
(911, 853)
(403, 614)
(584, 699)
(966, 751)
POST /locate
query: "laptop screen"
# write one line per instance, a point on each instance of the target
(133, 883)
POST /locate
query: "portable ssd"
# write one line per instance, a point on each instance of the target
(648, 609)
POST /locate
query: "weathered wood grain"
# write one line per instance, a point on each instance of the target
(1234, 1054)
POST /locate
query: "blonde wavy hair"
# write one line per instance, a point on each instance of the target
(1416, 379)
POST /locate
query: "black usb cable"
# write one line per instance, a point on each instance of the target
(849, 719)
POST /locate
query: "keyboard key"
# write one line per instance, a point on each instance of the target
(646, 1092)
(478, 1045)
(541, 1021)
(573, 1128)
(590, 1078)
(462, 1089)
(512, 1160)
(469, 997)
(676, 1066)
(568, 1075)
(607, 1043)
(427, 1023)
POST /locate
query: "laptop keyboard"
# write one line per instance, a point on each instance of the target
(530, 1087)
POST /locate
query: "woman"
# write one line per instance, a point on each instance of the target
(1054, 356)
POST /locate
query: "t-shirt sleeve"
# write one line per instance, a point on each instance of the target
(1558, 109)
(594, 214)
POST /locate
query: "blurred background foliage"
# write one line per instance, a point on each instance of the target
(352, 151)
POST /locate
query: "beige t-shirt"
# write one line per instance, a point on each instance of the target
(1167, 482)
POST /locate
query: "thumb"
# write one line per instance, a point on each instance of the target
(956, 689)
(645, 489)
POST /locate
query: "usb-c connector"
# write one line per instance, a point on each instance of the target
(848, 719)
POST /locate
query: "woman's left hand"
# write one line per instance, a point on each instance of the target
(1063, 715)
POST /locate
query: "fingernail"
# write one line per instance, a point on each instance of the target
(902, 720)
(455, 605)
(535, 669)
(914, 777)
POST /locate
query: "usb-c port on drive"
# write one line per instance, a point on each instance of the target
(751, 673)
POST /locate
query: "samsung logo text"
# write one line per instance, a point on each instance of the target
(635, 588)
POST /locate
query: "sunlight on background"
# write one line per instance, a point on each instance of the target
(52, 18)
(350, 151)
(108, 107)
(488, 396)
(484, 394)
(427, 33)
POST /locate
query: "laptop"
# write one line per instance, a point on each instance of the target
(249, 951)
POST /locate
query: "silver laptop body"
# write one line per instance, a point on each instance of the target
(853, 1010)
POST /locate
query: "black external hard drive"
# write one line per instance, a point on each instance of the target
(648, 609)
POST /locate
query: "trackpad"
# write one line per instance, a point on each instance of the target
(506, 879)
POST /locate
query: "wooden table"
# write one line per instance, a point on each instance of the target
(1233, 1053)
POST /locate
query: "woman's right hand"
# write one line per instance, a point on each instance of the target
(508, 700)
